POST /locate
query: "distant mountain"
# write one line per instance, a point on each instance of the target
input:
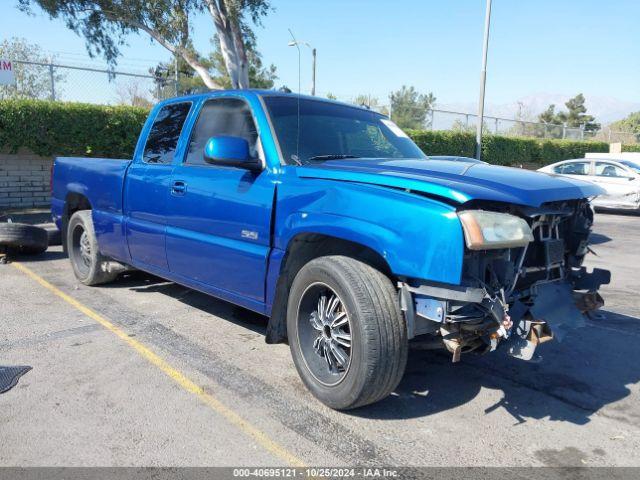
(605, 109)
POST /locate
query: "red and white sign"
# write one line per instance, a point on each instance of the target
(7, 76)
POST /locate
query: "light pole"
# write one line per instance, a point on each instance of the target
(483, 81)
(297, 43)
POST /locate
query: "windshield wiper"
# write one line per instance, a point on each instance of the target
(333, 156)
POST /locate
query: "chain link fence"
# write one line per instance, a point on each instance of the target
(53, 81)
(440, 119)
(77, 83)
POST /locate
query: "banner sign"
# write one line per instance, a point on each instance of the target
(7, 76)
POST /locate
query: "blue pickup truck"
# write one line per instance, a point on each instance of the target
(327, 219)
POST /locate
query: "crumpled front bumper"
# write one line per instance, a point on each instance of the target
(554, 309)
(545, 311)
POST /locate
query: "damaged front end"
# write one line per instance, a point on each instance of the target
(523, 282)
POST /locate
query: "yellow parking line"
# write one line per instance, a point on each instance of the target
(181, 379)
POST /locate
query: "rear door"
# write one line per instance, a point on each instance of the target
(218, 232)
(621, 185)
(147, 187)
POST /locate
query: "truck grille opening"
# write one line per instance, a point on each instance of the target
(561, 232)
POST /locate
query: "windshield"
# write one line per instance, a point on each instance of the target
(330, 131)
(632, 165)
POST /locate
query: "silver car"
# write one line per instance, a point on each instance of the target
(620, 179)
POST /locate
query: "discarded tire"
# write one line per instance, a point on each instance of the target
(21, 238)
(53, 234)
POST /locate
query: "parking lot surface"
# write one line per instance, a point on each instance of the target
(144, 372)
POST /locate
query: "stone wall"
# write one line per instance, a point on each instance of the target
(24, 181)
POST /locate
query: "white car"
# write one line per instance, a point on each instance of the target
(620, 179)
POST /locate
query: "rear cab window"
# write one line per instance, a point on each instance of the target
(165, 132)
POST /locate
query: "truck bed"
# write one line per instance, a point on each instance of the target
(101, 181)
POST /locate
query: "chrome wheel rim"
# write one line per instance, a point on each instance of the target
(85, 249)
(324, 333)
(80, 250)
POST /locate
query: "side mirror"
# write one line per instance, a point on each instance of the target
(230, 151)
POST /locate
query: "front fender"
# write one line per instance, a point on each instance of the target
(418, 237)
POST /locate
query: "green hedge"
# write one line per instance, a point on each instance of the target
(56, 128)
(631, 147)
(504, 150)
(442, 142)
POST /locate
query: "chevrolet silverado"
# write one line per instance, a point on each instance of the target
(327, 219)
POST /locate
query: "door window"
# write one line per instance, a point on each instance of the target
(222, 116)
(574, 168)
(165, 132)
(610, 170)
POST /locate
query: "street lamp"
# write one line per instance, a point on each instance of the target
(483, 81)
(297, 43)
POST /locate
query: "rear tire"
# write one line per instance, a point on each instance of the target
(86, 260)
(22, 238)
(350, 349)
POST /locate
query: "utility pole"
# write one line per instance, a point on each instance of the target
(313, 75)
(297, 43)
(52, 79)
(176, 77)
(483, 81)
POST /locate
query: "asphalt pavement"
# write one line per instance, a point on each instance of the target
(144, 372)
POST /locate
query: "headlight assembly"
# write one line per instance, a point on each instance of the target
(488, 230)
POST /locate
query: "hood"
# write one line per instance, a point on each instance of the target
(459, 182)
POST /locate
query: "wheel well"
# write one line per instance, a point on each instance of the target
(73, 203)
(302, 249)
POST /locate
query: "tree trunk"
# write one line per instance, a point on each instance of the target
(199, 69)
(190, 59)
(231, 43)
(241, 56)
(230, 56)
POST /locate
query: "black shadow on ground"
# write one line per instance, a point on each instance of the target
(598, 239)
(590, 369)
(145, 283)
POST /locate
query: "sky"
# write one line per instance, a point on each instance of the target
(374, 47)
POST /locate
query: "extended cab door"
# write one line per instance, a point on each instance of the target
(147, 187)
(218, 224)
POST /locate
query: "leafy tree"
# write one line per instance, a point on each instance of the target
(331, 96)
(32, 81)
(631, 124)
(575, 116)
(409, 108)
(549, 115)
(372, 102)
(190, 82)
(463, 127)
(132, 93)
(188, 79)
(105, 25)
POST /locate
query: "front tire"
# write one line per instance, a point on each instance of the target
(86, 260)
(346, 332)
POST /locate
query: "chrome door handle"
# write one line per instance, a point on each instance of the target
(178, 188)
